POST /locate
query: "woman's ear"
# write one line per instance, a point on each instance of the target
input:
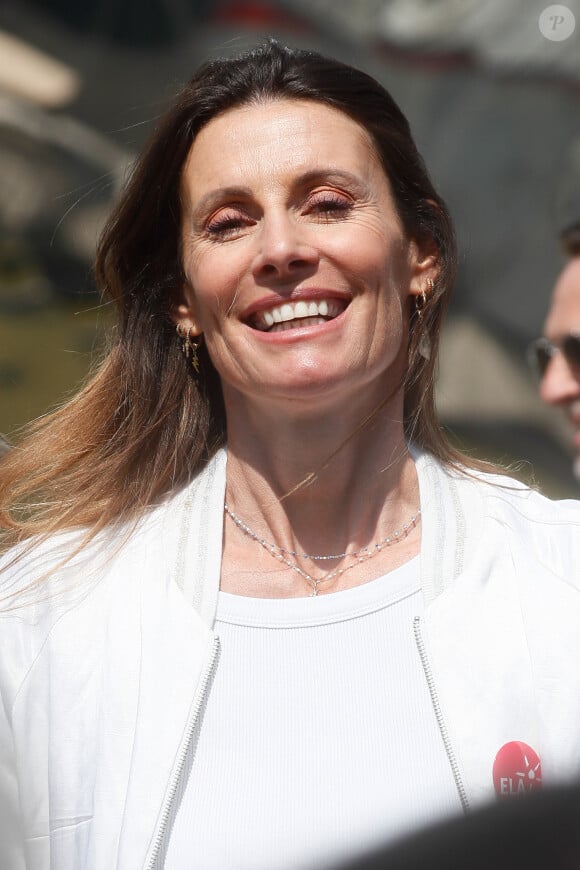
(425, 259)
(183, 311)
(425, 267)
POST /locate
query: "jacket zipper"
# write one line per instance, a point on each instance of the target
(182, 758)
(439, 716)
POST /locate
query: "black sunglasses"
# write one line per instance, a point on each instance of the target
(541, 351)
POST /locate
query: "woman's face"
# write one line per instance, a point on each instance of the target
(297, 267)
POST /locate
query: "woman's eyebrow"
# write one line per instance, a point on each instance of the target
(217, 196)
(330, 173)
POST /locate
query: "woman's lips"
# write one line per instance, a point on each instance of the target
(297, 313)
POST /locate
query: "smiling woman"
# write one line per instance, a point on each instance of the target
(247, 619)
(298, 271)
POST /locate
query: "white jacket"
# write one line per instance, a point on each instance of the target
(102, 679)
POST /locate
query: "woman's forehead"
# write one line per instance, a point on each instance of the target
(276, 137)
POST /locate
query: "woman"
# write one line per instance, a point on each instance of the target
(173, 696)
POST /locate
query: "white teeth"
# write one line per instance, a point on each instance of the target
(296, 324)
(292, 311)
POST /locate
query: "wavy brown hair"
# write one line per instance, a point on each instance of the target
(143, 425)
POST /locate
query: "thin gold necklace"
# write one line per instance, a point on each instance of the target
(359, 556)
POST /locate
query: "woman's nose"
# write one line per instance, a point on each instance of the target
(560, 383)
(284, 250)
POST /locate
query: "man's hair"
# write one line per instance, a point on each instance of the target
(570, 239)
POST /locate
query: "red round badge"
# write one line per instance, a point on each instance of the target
(517, 770)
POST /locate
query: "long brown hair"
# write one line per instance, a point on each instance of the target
(143, 425)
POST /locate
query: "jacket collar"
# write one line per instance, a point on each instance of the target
(450, 518)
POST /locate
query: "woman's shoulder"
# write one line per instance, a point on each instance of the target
(507, 495)
(499, 487)
(50, 588)
(62, 561)
(498, 499)
(54, 588)
(546, 530)
(42, 577)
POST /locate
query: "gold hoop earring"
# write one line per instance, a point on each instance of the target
(423, 297)
(188, 345)
(420, 303)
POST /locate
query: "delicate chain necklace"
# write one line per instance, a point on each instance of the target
(359, 556)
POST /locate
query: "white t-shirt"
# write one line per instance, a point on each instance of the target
(319, 739)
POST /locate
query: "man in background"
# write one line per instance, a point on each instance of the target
(556, 356)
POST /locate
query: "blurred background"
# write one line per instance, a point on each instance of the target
(494, 102)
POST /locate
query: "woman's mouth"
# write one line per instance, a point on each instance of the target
(296, 315)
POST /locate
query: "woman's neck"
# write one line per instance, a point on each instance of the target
(322, 484)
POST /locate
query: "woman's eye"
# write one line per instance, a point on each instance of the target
(225, 224)
(330, 205)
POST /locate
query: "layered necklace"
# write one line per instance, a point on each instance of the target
(358, 556)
